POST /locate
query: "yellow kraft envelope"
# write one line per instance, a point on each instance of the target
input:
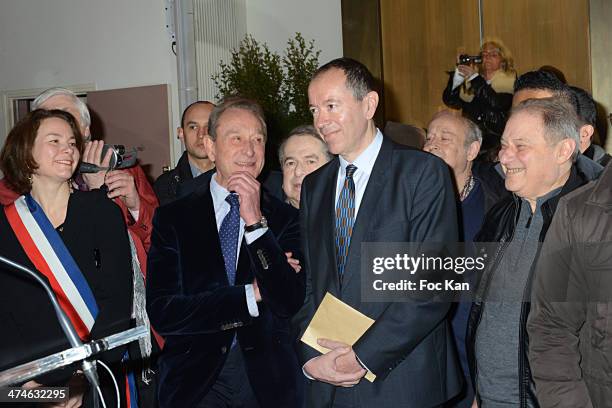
(335, 320)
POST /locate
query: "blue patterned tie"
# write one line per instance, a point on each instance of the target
(345, 218)
(228, 235)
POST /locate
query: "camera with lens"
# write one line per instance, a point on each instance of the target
(120, 158)
(465, 59)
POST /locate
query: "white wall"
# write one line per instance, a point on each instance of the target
(119, 43)
(111, 43)
(275, 21)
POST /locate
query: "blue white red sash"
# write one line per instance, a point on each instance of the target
(47, 252)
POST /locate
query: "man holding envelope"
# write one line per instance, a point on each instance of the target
(374, 191)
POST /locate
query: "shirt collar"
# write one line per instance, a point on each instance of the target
(365, 161)
(195, 170)
(218, 192)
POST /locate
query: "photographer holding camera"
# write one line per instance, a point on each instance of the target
(481, 86)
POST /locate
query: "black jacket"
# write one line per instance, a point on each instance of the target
(166, 185)
(499, 226)
(493, 185)
(489, 109)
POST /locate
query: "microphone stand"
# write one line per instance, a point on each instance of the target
(89, 368)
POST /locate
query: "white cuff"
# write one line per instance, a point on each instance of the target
(253, 236)
(250, 299)
(457, 79)
(306, 374)
(361, 362)
(474, 75)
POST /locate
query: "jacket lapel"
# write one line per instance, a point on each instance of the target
(214, 263)
(323, 221)
(369, 204)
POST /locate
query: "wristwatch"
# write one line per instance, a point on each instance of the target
(263, 223)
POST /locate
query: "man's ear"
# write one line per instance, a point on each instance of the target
(87, 133)
(565, 150)
(209, 145)
(586, 133)
(371, 103)
(472, 150)
(180, 134)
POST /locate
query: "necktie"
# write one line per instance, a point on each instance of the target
(228, 235)
(345, 218)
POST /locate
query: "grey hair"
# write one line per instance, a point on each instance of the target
(236, 102)
(559, 119)
(80, 105)
(306, 131)
(472, 133)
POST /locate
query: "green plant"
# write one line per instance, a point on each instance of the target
(279, 84)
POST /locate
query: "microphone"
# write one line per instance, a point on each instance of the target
(89, 368)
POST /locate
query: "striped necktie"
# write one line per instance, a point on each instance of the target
(345, 218)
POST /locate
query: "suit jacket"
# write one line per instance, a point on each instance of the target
(191, 303)
(409, 198)
(166, 186)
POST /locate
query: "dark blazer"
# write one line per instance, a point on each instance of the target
(409, 198)
(191, 303)
(166, 186)
(96, 236)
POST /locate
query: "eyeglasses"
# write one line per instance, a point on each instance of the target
(490, 54)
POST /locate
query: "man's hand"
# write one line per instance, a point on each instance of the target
(93, 155)
(323, 368)
(248, 190)
(256, 290)
(346, 363)
(335, 367)
(294, 263)
(121, 184)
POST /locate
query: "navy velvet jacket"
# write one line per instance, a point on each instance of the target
(192, 305)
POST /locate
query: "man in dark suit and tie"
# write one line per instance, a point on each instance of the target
(374, 191)
(220, 289)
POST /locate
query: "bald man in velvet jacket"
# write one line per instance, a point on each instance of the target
(220, 289)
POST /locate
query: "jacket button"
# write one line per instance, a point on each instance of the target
(223, 350)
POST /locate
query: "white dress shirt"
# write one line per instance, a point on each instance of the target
(222, 208)
(364, 163)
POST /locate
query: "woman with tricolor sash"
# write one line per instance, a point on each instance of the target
(77, 240)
